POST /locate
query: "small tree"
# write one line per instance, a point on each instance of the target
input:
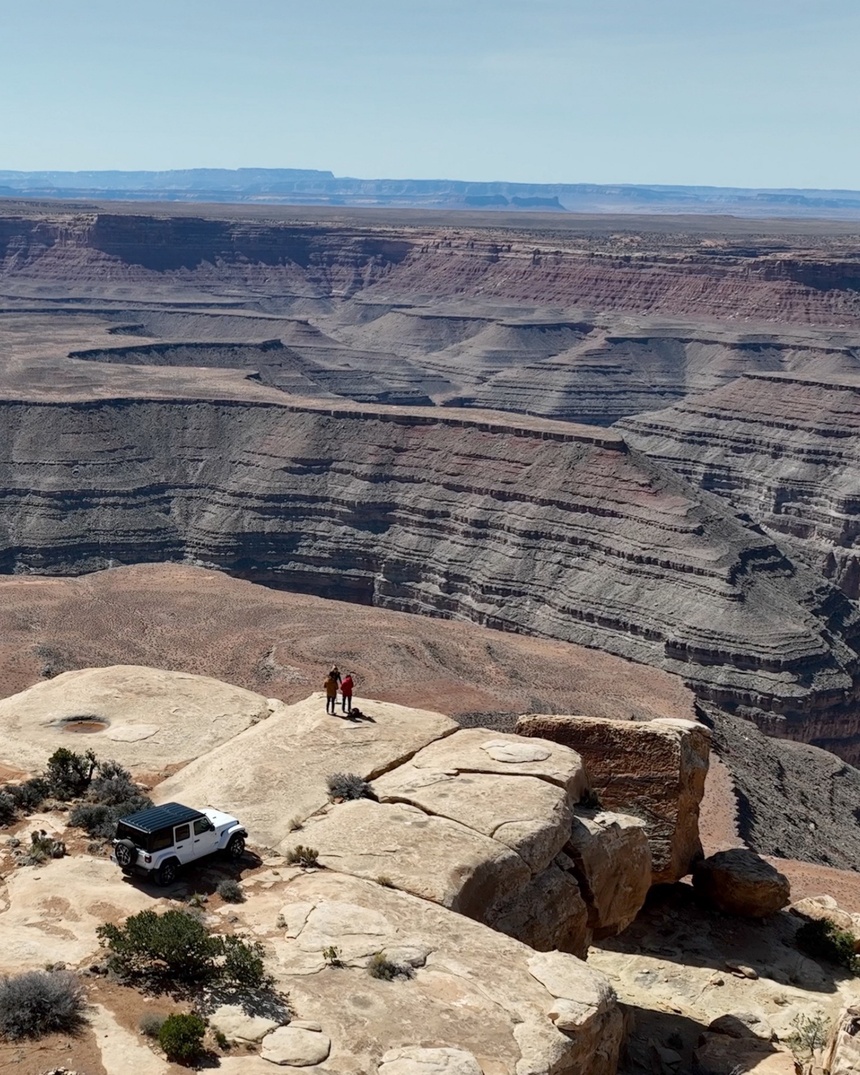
(69, 774)
(176, 947)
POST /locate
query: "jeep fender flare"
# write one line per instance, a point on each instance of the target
(228, 835)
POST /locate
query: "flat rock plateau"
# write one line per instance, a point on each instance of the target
(611, 462)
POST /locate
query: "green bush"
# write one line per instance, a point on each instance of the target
(112, 785)
(30, 795)
(821, 939)
(7, 809)
(98, 819)
(348, 786)
(173, 945)
(243, 963)
(43, 847)
(230, 891)
(181, 1037)
(37, 1003)
(176, 947)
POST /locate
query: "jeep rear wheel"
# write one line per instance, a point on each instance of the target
(166, 873)
(126, 854)
(236, 847)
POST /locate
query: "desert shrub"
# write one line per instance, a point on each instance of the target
(181, 1037)
(150, 1024)
(43, 847)
(348, 786)
(810, 1033)
(384, 880)
(30, 795)
(380, 967)
(112, 785)
(303, 856)
(821, 939)
(7, 809)
(230, 891)
(332, 956)
(221, 1040)
(40, 1002)
(161, 949)
(98, 819)
(69, 774)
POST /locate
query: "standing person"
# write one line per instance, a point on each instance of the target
(331, 684)
(346, 693)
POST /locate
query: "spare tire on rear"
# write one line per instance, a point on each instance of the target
(126, 854)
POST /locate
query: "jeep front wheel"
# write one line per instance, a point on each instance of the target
(166, 873)
(236, 847)
(125, 853)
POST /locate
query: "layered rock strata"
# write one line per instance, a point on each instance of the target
(654, 770)
(669, 271)
(783, 449)
(521, 524)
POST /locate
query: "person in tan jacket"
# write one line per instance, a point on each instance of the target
(331, 684)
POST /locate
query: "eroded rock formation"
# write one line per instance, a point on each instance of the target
(654, 770)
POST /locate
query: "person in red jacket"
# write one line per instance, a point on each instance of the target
(346, 693)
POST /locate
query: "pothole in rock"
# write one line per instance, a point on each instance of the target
(84, 724)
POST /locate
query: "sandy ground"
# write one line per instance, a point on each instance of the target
(281, 645)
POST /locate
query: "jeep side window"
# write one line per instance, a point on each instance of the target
(161, 840)
(182, 833)
(202, 825)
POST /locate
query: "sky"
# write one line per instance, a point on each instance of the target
(760, 93)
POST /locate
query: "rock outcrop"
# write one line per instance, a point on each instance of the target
(740, 882)
(468, 998)
(654, 770)
(842, 1054)
(475, 821)
(142, 717)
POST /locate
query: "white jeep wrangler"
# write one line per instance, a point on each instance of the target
(158, 841)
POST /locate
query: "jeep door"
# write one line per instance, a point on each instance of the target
(204, 837)
(182, 843)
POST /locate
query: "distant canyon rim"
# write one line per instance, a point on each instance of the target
(637, 434)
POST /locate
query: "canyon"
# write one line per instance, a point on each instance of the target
(572, 498)
(545, 428)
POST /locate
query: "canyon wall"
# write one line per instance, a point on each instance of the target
(520, 524)
(657, 273)
(785, 450)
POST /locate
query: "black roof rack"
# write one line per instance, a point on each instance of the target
(160, 817)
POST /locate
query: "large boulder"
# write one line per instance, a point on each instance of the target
(611, 859)
(740, 882)
(654, 770)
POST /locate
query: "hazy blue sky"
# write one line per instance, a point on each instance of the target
(726, 92)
